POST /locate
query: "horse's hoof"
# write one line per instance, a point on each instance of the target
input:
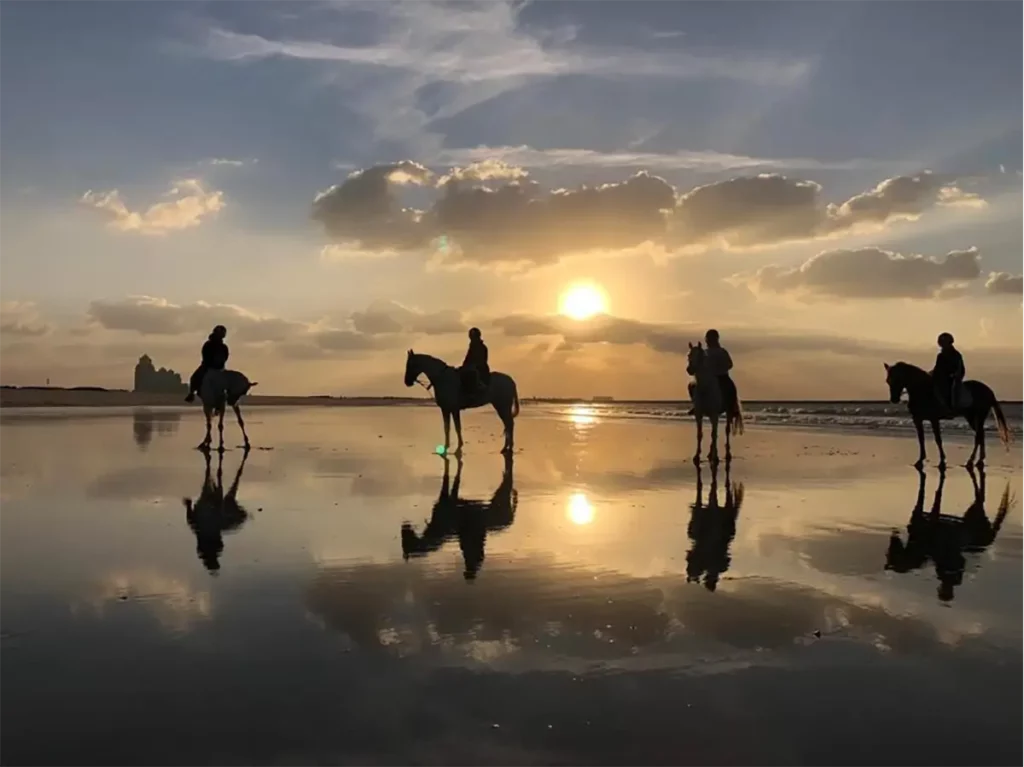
(980, 465)
(941, 466)
(696, 460)
(919, 464)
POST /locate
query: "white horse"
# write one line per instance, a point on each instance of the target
(446, 382)
(219, 389)
(707, 401)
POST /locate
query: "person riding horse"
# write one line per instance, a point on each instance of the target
(948, 373)
(215, 357)
(476, 372)
(719, 361)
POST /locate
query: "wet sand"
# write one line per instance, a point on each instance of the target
(595, 601)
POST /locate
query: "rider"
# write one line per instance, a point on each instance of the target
(476, 358)
(720, 363)
(215, 357)
(949, 371)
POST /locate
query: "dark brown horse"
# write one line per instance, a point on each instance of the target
(924, 405)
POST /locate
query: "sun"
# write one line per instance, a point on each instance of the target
(582, 301)
(578, 510)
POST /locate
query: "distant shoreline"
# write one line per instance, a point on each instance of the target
(46, 396)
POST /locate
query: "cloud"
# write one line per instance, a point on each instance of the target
(872, 273)
(707, 161)
(674, 338)
(1004, 284)
(385, 317)
(469, 53)
(490, 213)
(226, 162)
(158, 316)
(479, 42)
(769, 209)
(21, 319)
(364, 208)
(191, 205)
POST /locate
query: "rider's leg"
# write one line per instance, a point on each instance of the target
(195, 382)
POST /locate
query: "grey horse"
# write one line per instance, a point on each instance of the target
(219, 389)
(447, 385)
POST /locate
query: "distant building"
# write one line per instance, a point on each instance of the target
(162, 381)
(602, 398)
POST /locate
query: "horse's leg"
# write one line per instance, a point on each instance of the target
(937, 431)
(457, 417)
(728, 438)
(508, 424)
(919, 425)
(241, 424)
(700, 437)
(205, 444)
(980, 432)
(447, 416)
(220, 427)
(713, 451)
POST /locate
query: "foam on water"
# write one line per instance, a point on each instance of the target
(847, 415)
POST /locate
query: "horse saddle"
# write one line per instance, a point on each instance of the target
(472, 391)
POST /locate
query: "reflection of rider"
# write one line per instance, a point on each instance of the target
(719, 362)
(215, 357)
(949, 371)
(476, 358)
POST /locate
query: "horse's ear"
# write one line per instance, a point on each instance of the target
(410, 352)
(690, 344)
(886, 366)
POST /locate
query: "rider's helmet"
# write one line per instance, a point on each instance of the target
(945, 339)
(220, 331)
(711, 336)
(474, 334)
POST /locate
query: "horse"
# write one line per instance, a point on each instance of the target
(709, 401)
(219, 389)
(924, 404)
(446, 382)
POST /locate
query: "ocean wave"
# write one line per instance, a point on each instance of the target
(870, 416)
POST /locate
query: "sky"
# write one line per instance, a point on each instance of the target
(830, 185)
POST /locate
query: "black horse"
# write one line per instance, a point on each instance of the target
(924, 405)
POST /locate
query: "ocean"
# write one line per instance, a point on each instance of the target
(878, 416)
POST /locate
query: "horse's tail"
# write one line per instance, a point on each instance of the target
(515, 400)
(737, 417)
(1001, 426)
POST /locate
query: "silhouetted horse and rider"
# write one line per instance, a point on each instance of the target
(218, 387)
(943, 394)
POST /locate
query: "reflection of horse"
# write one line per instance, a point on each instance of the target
(219, 389)
(469, 521)
(215, 512)
(709, 401)
(145, 422)
(924, 405)
(944, 539)
(712, 529)
(449, 395)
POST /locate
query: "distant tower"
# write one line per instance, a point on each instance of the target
(144, 373)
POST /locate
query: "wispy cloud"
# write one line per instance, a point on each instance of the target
(479, 51)
(527, 157)
(227, 162)
(191, 204)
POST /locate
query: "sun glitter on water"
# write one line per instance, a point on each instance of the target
(582, 301)
(578, 510)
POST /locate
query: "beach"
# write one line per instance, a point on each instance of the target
(346, 596)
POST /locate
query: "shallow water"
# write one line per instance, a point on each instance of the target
(578, 605)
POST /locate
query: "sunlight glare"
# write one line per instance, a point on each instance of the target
(582, 416)
(578, 510)
(582, 301)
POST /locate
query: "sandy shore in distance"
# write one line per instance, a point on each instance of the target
(79, 398)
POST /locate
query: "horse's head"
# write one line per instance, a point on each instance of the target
(695, 359)
(412, 369)
(895, 378)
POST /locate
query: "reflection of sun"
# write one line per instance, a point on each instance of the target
(582, 301)
(578, 510)
(581, 415)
